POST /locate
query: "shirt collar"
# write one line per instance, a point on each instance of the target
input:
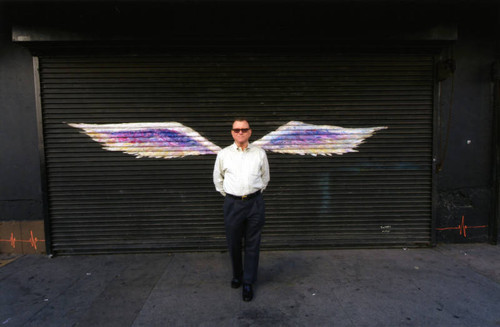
(237, 148)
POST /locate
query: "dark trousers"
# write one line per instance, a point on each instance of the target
(244, 220)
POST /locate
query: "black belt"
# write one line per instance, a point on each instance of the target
(244, 197)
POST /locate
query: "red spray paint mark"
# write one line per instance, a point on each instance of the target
(462, 227)
(33, 240)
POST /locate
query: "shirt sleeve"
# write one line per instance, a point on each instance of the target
(264, 170)
(219, 175)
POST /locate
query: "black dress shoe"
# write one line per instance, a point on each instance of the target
(235, 282)
(247, 292)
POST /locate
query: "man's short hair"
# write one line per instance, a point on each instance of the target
(241, 119)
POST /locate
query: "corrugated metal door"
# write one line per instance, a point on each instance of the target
(111, 202)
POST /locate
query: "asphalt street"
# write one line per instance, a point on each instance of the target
(448, 285)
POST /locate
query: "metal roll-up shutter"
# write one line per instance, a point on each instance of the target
(111, 202)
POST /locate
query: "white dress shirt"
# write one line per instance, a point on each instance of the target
(241, 172)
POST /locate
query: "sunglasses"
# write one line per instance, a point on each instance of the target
(238, 130)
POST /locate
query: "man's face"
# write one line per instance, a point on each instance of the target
(241, 136)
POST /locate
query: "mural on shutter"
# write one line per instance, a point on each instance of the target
(130, 144)
(174, 140)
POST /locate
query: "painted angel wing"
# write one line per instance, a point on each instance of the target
(154, 140)
(297, 137)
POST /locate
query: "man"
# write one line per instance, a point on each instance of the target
(241, 174)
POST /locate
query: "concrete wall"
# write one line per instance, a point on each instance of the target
(21, 208)
(466, 182)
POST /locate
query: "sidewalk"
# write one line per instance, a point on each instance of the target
(450, 285)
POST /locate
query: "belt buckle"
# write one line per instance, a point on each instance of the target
(244, 197)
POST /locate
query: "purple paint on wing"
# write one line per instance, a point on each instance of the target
(159, 138)
(306, 137)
